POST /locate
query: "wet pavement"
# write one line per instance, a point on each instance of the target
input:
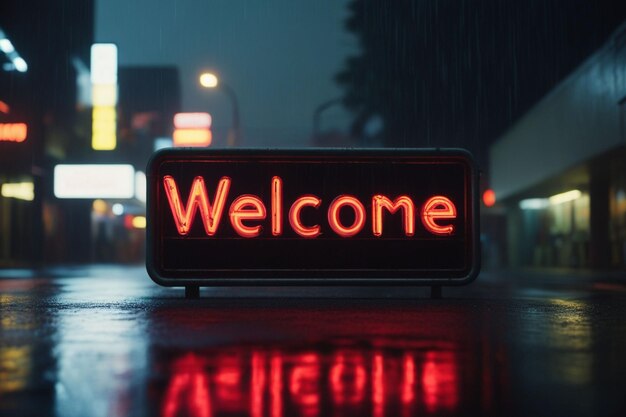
(106, 341)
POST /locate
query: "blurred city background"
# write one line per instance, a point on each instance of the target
(535, 90)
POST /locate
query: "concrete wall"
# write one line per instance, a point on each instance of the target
(579, 119)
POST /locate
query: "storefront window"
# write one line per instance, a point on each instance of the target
(557, 235)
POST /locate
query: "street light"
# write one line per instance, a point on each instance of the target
(210, 80)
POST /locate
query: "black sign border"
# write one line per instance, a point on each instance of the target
(309, 277)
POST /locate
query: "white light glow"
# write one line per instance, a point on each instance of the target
(104, 95)
(6, 46)
(564, 197)
(192, 120)
(534, 204)
(20, 64)
(117, 209)
(94, 181)
(18, 190)
(140, 186)
(208, 80)
(104, 63)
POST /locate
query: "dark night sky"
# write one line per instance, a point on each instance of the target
(483, 63)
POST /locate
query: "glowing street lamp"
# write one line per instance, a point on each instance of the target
(210, 80)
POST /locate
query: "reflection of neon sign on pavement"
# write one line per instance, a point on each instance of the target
(311, 383)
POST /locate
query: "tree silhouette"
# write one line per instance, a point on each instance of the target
(458, 72)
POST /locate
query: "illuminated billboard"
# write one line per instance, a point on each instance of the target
(104, 96)
(13, 132)
(192, 130)
(19, 190)
(312, 217)
(94, 181)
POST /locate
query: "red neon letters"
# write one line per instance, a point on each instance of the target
(246, 207)
(335, 222)
(248, 213)
(403, 202)
(277, 206)
(294, 216)
(438, 207)
(210, 214)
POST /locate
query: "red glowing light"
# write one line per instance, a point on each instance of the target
(438, 207)
(210, 214)
(303, 383)
(4, 107)
(403, 202)
(335, 222)
(247, 207)
(294, 216)
(348, 379)
(276, 386)
(257, 385)
(489, 198)
(128, 221)
(251, 383)
(13, 132)
(439, 380)
(277, 206)
(188, 389)
(378, 386)
(228, 381)
(408, 383)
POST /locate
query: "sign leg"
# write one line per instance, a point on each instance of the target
(192, 291)
(435, 292)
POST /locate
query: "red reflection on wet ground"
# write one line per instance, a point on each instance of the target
(304, 384)
(229, 383)
(347, 378)
(408, 380)
(188, 390)
(257, 389)
(338, 381)
(378, 386)
(439, 381)
(276, 385)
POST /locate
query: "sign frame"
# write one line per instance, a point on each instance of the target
(310, 277)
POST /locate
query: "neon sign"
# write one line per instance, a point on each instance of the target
(312, 217)
(250, 207)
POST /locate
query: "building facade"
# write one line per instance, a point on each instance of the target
(560, 171)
